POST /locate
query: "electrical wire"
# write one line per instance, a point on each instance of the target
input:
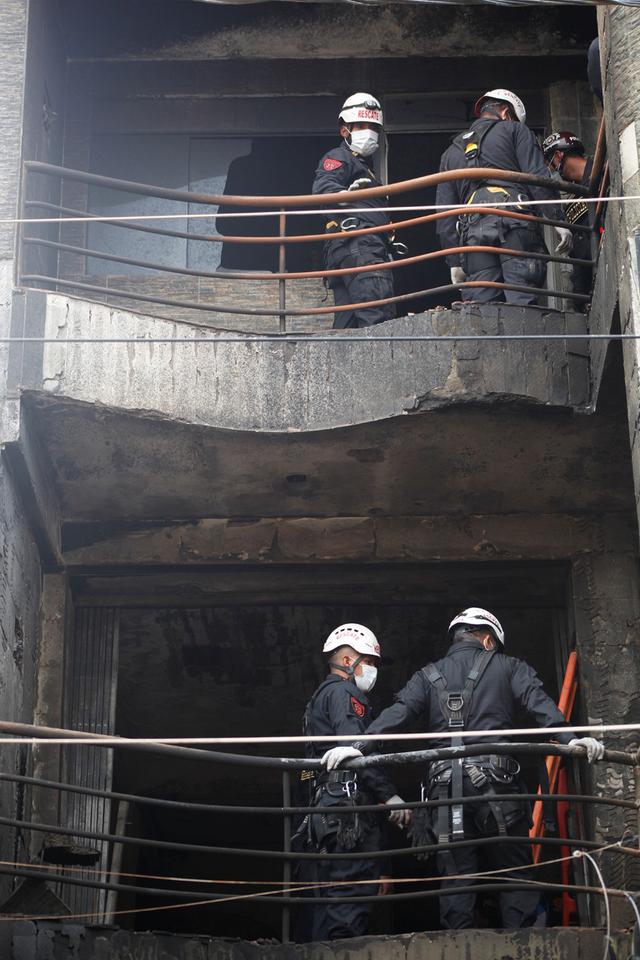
(291, 888)
(578, 854)
(301, 884)
(314, 211)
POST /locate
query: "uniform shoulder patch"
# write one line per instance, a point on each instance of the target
(357, 707)
(330, 163)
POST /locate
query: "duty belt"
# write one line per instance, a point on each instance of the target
(336, 776)
(522, 198)
(506, 765)
(575, 211)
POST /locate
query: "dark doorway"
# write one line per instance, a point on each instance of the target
(416, 155)
(274, 166)
(246, 667)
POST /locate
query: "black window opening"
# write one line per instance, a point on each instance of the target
(242, 670)
(244, 165)
(413, 155)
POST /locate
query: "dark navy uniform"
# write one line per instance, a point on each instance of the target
(336, 172)
(504, 145)
(579, 212)
(507, 688)
(338, 707)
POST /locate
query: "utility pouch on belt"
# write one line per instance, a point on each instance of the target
(421, 832)
(345, 830)
(497, 816)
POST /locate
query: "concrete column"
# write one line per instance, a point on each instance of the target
(54, 617)
(619, 39)
(13, 36)
(607, 620)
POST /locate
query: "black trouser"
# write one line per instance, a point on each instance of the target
(360, 287)
(518, 907)
(499, 232)
(582, 277)
(335, 921)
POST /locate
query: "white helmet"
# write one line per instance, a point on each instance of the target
(353, 635)
(361, 107)
(477, 617)
(508, 97)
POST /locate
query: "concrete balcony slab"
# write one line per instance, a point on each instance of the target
(348, 378)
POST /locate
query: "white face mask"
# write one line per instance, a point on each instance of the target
(367, 679)
(364, 142)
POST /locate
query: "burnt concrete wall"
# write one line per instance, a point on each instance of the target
(273, 30)
(29, 45)
(619, 277)
(13, 25)
(19, 631)
(30, 941)
(305, 386)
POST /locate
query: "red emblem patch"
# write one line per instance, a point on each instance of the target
(330, 164)
(358, 708)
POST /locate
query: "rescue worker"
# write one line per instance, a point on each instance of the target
(564, 153)
(498, 138)
(340, 706)
(349, 167)
(475, 687)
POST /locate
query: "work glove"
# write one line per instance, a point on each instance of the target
(458, 275)
(360, 184)
(594, 748)
(566, 240)
(401, 818)
(337, 755)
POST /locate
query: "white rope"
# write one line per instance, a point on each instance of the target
(607, 940)
(599, 729)
(303, 213)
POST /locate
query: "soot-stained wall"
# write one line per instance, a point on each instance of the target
(19, 629)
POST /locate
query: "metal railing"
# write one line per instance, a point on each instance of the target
(283, 208)
(292, 892)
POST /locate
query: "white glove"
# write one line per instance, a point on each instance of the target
(401, 818)
(566, 240)
(361, 184)
(337, 755)
(458, 275)
(594, 748)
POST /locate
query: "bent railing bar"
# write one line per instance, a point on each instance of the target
(313, 237)
(290, 810)
(125, 224)
(297, 311)
(283, 275)
(280, 899)
(286, 866)
(601, 206)
(599, 155)
(284, 855)
(507, 884)
(301, 200)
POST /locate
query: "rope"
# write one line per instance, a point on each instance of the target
(605, 893)
(324, 211)
(76, 737)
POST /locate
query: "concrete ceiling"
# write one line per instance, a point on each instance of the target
(123, 29)
(110, 466)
